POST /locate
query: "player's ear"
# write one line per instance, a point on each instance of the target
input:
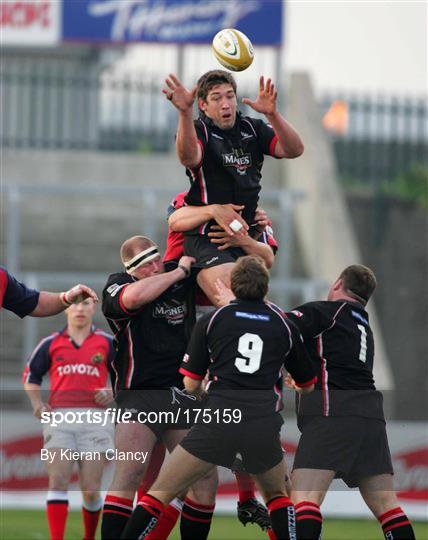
(202, 104)
(337, 285)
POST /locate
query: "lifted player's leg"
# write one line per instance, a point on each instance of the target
(207, 278)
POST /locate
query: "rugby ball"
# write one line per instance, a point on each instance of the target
(233, 49)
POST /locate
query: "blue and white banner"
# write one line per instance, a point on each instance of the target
(170, 21)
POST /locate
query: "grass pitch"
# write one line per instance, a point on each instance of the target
(32, 525)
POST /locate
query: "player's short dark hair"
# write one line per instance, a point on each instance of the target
(250, 278)
(210, 79)
(358, 281)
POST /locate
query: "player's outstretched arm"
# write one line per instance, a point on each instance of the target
(146, 290)
(52, 303)
(289, 144)
(189, 217)
(188, 150)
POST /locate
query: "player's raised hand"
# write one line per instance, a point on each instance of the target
(225, 214)
(265, 102)
(177, 94)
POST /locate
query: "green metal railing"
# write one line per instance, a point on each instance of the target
(385, 136)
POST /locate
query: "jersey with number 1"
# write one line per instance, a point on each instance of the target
(339, 340)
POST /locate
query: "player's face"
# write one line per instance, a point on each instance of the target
(149, 269)
(81, 315)
(220, 105)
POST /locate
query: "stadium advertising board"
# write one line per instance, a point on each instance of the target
(23, 473)
(170, 21)
(30, 23)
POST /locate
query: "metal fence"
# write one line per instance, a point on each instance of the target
(380, 136)
(47, 106)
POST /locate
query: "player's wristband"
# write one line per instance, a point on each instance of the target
(185, 270)
(64, 300)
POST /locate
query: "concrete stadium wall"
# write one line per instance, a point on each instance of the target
(398, 253)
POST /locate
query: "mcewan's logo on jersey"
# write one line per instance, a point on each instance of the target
(237, 159)
(97, 358)
(172, 310)
(78, 369)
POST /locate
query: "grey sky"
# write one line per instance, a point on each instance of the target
(363, 46)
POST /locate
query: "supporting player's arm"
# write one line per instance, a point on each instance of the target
(52, 303)
(144, 291)
(189, 217)
(189, 151)
(247, 243)
(289, 144)
(193, 386)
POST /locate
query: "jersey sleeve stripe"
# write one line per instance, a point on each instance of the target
(194, 376)
(130, 373)
(273, 144)
(122, 305)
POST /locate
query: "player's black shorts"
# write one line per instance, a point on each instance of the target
(207, 254)
(159, 409)
(352, 446)
(256, 441)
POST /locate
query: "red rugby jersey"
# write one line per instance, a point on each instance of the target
(75, 372)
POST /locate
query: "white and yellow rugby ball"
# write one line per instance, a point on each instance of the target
(233, 49)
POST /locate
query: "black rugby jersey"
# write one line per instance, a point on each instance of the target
(244, 346)
(150, 342)
(339, 340)
(230, 168)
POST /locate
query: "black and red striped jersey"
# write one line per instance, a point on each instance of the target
(244, 347)
(150, 341)
(231, 163)
(339, 340)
